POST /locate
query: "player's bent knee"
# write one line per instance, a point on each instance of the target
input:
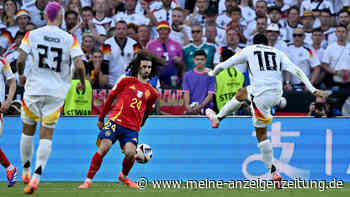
(130, 150)
(104, 147)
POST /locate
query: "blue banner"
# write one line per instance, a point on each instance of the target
(188, 148)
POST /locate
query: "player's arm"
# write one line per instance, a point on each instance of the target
(292, 68)
(80, 68)
(110, 98)
(20, 64)
(107, 106)
(76, 52)
(150, 107)
(239, 58)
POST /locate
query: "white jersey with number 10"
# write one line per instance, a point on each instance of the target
(51, 49)
(265, 65)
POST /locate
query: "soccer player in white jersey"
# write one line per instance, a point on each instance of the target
(265, 66)
(46, 87)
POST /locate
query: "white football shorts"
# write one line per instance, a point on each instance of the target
(261, 107)
(39, 108)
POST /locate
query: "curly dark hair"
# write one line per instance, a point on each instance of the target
(144, 54)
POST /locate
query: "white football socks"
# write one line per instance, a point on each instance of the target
(267, 152)
(42, 155)
(26, 148)
(231, 106)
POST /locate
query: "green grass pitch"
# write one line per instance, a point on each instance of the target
(101, 189)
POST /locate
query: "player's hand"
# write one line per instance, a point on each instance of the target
(211, 73)
(320, 93)
(288, 87)
(5, 106)
(100, 124)
(80, 87)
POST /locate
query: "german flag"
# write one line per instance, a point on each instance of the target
(93, 75)
(7, 35)
(5, 63)
(25, 39)
(106, 48)
(311, 53)
(137, 47)
(75, 42)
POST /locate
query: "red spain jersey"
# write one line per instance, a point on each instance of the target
(134, 98)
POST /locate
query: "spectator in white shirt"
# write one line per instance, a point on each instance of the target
(307, 21)
(198, 15)
(36, 11)
(328, 31)
(272, 34)
(291, 23)
(317, 49)
(343, 17)
(335, 62)
(164, 13)
(179, 31)
(131, 16)
(248, 14)
(87, 25)
(260, 10)
(261, 24)
(303, 57)
(336, 58)
(225, 5)
(100, 18)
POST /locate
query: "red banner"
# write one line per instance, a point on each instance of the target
(171, 101)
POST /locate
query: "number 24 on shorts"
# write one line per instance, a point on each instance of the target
(110, 126)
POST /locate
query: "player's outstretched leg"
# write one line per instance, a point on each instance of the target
(42, 156)
(11, 171)
(96, 162)
(128, 163)
(267, 155)
(230, 107)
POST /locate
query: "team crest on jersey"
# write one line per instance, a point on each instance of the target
(139, 93)
(147, 94)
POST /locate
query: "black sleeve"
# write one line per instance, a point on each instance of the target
(13, 66)
(88, 67)
(105, 67)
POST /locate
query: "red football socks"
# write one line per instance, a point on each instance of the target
(127, 165)
(94, 165)
(3, 160)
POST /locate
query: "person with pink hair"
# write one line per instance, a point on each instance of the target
(46, 87)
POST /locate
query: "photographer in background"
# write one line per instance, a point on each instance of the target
(322, 107)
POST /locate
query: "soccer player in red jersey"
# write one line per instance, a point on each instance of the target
(135, 101)
(6, 77)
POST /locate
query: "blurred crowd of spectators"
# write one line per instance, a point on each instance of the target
(313, 33)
